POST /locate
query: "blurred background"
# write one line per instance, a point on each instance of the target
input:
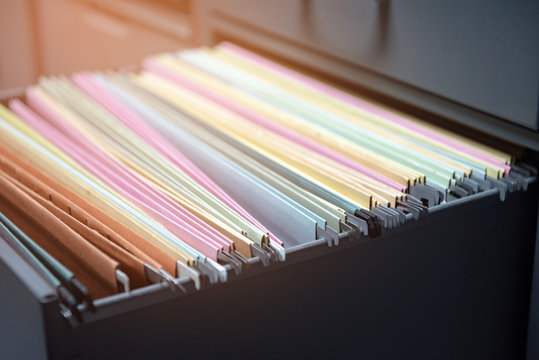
(50, 37)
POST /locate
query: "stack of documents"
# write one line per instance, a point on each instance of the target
(207, 158)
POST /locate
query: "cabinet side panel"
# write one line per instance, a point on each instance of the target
(22, 329)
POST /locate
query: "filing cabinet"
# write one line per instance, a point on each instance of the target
(453, 284)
